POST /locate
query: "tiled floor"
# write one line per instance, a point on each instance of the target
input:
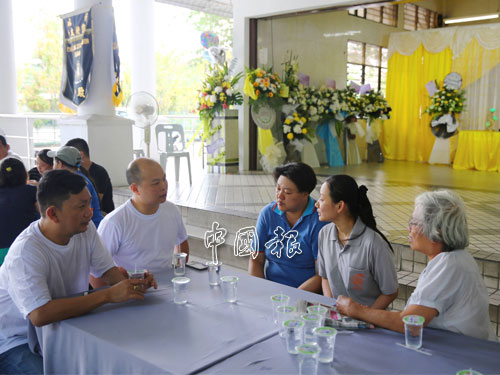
(392, 187)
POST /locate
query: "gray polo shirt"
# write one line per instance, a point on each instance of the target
(362, 269)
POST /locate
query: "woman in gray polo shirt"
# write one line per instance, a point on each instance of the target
(354, 257)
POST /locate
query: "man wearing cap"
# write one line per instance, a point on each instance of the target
(5, 151)
(69, 158)
(145, 231)
(98, 174)
(46, 272)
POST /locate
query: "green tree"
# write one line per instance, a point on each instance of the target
(40, 80)
(177, 80)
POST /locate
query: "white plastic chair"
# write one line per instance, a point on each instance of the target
(175, 146)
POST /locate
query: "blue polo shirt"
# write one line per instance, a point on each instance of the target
(290, 252)
(96, 207)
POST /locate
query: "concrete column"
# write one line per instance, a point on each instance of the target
(143, 75)
(8, 92)
(99, 100)
(109, 136)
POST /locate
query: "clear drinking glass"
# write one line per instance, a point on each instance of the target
(180, 289)
(308, 359)
(276, 301)
(325, 339)
(294, 334)
(229, 288)
(214, 270)
(311, 321)
(180, 264)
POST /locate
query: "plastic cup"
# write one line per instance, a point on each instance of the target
(325, 339)
(180, 289)
(414, 327)
(139, 274)
(294, 334)
(311, 321)
(284, 313)
(180, 264)
(229, 288)
(214, 273)
(468, 372)
(276, 301)
(308, 359)
(318, 309)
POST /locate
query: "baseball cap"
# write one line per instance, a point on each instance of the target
(68, 154)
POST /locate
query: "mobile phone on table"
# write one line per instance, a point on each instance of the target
(196, 265)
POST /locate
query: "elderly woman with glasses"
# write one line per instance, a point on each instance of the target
(450, 292)
(286, 246)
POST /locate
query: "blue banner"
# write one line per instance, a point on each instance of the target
(117, 90)
(78, 58)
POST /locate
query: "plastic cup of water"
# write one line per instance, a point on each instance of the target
(284, 313)
(468, 372)
(318, 309)
(414, 327)
(278, 300)
(229, 288)
(180, 289)
(138, 274)
(308, 359)
(325, 339)
(214, 273)
(180, 264)
(294, 334)
(311, 321)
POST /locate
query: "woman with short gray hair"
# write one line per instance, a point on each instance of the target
(450, 292)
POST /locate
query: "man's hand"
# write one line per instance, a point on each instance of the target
(347, 306)
(126, 290)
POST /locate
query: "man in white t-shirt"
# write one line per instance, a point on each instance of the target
(50, 261)
(144, 232)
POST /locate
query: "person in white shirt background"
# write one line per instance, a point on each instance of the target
(450, 292)
(49, 263)
(145, 231)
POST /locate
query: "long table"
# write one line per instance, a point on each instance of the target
(208, 335)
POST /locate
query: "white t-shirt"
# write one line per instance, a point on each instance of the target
(138, 241)
(36, 270)
(451, 284)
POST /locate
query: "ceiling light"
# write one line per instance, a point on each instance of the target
(470, 19)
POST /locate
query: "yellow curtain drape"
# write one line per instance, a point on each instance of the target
(407, 135)
(264, 140)
(478, 150)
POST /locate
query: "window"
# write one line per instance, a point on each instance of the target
(418, 18)
(367, 64)
(386, 14)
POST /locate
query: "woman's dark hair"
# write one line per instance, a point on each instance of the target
(301, 174)
(12, 173)
(344, 188)
(42, 154)
(55, 187)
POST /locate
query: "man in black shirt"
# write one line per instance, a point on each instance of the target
(98, 174)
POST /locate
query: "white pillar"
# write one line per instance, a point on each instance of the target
(99, 99)
(8, 92)
(109, 136)
(143, 76)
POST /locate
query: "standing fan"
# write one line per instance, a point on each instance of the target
(142, 107)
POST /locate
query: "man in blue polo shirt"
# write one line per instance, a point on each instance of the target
(287, 231)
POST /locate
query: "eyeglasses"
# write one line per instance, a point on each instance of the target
(413, 223)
